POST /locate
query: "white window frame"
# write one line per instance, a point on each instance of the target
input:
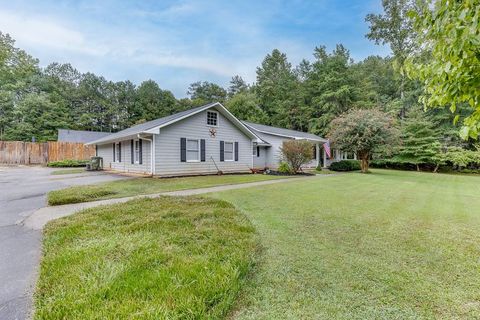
(254, 151)
(198, 150)
(218, 118)
(117, 152)
(225, 151)
(136, 153)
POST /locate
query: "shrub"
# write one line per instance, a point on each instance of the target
(284, 168)
(345, 165)
(296, 153)
(68, 163)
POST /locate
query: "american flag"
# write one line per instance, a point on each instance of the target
(326, 146)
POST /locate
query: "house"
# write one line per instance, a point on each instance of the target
(79, 136)
(201, 140)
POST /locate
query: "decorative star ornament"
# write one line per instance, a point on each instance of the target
(213, 132)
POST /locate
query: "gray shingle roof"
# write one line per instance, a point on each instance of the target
(79, 136)
(282, 132)
(139, 128)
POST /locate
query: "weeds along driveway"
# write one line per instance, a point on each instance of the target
(22, 191)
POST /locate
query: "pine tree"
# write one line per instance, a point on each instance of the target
(420, 142)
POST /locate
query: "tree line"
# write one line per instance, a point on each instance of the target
(35, 102)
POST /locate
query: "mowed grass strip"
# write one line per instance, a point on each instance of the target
(386, 245)
(68, 171)
(163, 258)
(140, 186)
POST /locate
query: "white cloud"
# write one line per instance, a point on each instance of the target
(42, 31)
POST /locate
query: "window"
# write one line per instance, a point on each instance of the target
(212, 118)
(314, 152)
(254, 151)
(118, 153)
(136, 152)
(228, 152)
(193, 150)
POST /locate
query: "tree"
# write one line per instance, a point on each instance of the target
(152, 102)
(394, 27)
(245, 107)
(449, 31)
(237, 85)
(206, 92)
(363, 131)
(420, 142)
(276, 90)
(330, 89)
(16, 68)
(296, 153)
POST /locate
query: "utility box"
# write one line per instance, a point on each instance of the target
(95, 164)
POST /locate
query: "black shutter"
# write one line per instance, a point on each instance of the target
(258, 151)
(222, 151)
(236, 151)
(183, 149)
(96, 150)
(132, 151)
(113, 152)
(202, 150)
(120, 152)
(140, 151)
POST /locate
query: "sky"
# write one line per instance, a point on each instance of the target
(176, 43)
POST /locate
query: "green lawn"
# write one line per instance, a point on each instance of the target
(68, 171)
(138, 186)
(387, 245)
(164, 258)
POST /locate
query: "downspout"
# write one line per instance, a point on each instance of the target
(152, 154)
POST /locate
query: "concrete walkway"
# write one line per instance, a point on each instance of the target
(38, 219)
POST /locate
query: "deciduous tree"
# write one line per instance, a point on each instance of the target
(363, 131)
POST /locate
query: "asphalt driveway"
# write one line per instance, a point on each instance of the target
(22, 191)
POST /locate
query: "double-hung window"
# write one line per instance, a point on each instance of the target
(228, 152)
(212, 118)
(193, 150)
(118, 152)
(137, 151)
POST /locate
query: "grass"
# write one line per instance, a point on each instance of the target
(163, 258)
(67, 171)
(388, 245)
(139, 186)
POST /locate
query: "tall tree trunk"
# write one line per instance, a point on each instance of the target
(418, 167)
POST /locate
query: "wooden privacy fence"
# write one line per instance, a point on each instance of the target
(19, 152)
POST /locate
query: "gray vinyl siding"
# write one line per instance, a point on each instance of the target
(273, 155)
(260, 162)
(167, 147)
(106, 152)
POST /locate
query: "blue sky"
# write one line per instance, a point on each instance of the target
(178, 42)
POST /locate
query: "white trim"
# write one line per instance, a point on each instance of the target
(136, 157)
(152, 157)
(284, 135)
(233, 151)
(198, 150)
(156, 129)
(118, 152)
(206, 118)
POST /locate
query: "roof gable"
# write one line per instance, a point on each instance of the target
(155, 125)
(288, 133)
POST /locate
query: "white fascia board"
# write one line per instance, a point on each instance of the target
(222, 110)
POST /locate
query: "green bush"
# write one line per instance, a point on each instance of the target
(68, 163)
(284, 168)
(345, 165)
